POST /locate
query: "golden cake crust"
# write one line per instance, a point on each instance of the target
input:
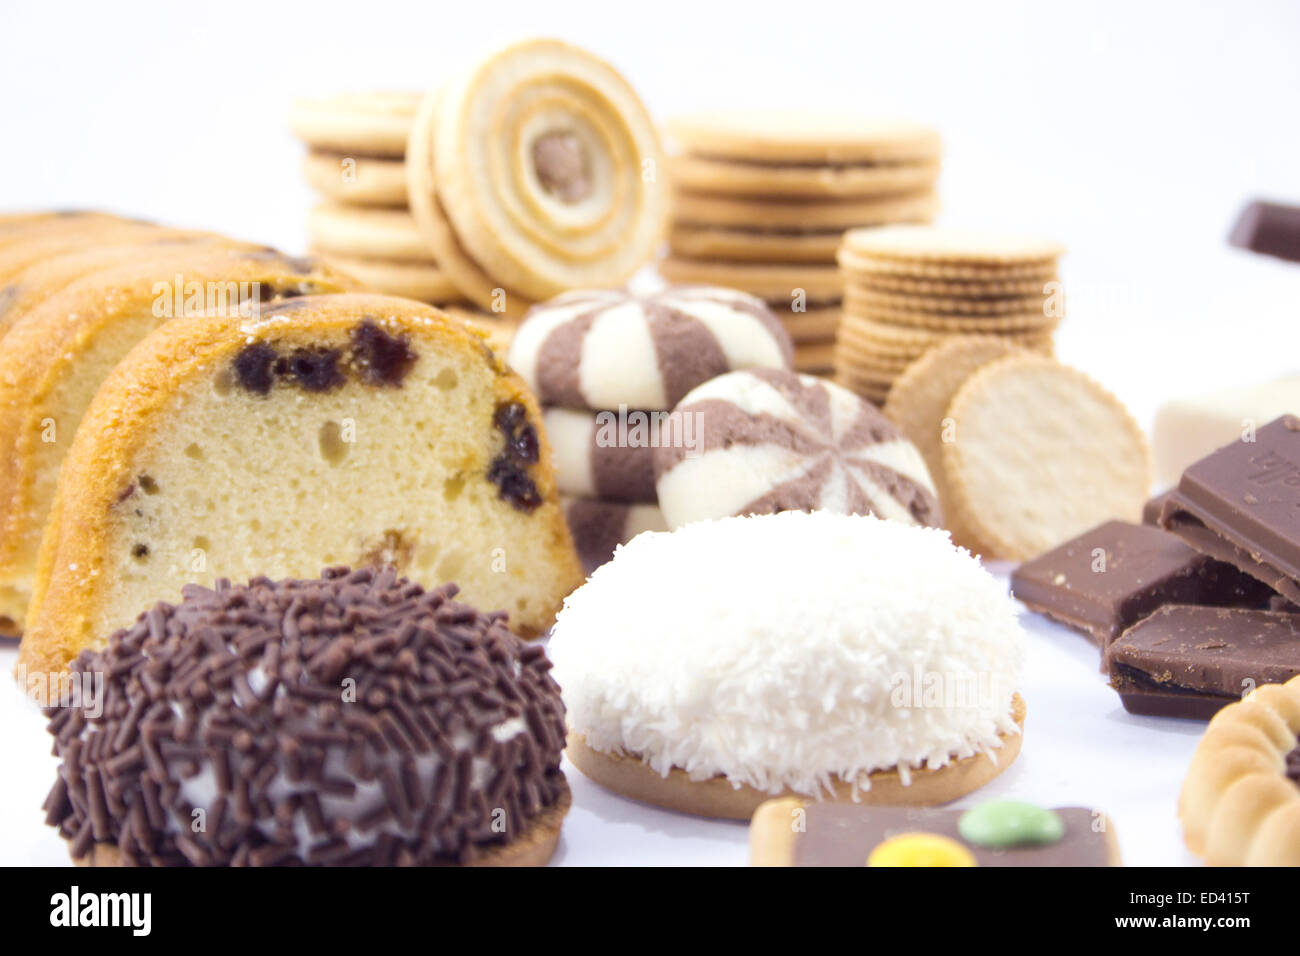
(65, 597)
(1237, 806)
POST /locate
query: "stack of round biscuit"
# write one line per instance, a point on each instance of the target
(608, 366)
(908, 289)
(518, 179)
(761, 201)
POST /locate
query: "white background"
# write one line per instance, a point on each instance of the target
(1132, 132)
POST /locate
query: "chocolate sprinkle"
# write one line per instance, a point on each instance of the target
(356, 719)
(509, 471)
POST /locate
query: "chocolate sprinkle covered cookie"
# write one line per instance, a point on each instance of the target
(352, 720)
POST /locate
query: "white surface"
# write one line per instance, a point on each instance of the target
(1131, 132)
(1080, 749)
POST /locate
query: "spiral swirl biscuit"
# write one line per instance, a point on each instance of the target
(546, 167)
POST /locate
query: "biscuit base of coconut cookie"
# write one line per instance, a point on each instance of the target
(534, 847)
(719, 797)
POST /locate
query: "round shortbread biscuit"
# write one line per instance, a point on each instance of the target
(602, 349)
(359, 180)
(367, 233)
(772, 283)
(1040, 454)
(545, 163)
(432, 224)
(810, 326)
(950, 288)
(944, 245)
(803, 137)
(412, 280)
(764, 440)
(814, 358)
(752, 245)
(740, 178)
(785, 214)
(364, 124)
(605, 454)
(891, 338)
(866, 268)
(719, 797)
(1027, 323)
(908, 303)
(599, 527)
(918, 404)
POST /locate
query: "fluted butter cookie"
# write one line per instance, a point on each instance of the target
(771, 282)
(234, 704)
(600, 349)
(934, 245)
(359, 180)
(57, 354)
(599, 526)
(766, 676)
(1240, 803)
(340, 429)
(359, 124)
(761, 441)
(1039, 454)
(546, 168)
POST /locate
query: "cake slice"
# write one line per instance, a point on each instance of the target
(55, 355)
(338, 429)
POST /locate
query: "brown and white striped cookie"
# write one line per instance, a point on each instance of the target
(762, 441)
(598, 527)
(606, 454)
(606, 348)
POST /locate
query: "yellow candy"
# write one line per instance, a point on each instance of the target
(920, 849)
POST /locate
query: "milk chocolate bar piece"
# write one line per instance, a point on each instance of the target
(1269, 228)
(1151, 510)
(1111, 577)
(1185, 661)
(845, 834)
(1241, 504)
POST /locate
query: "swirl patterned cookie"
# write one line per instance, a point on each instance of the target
(1240, 803)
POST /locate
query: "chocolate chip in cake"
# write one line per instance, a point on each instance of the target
(253, 368)
(509, 470)
(312, 369)
(382, 359)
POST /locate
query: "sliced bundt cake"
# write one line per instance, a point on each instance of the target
(55, 355)
(338, 429)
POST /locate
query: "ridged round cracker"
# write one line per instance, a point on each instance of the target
(975, 288)
(819, 283)
(905, 303)
(739, 178)
(803, 136)
(367, 124)
(785, 214)
(890, 336)
(1041, 453)
(752, 245)
(919, 401)
(855, 264)
(959, 246)
(359, 180)
(1024, 322)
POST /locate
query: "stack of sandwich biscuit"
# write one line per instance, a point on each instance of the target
(908, 289)
(762, 200)
(476, 196)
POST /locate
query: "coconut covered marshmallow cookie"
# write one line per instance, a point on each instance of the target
(880, 666)
(340, 429)
(761, 441)
(356, 719)
(601, 349)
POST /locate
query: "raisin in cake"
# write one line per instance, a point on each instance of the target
(347, 429)
(56, 354)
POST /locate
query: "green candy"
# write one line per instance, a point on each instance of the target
(1007, 823)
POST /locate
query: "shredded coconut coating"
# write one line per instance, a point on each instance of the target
(783, 651)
